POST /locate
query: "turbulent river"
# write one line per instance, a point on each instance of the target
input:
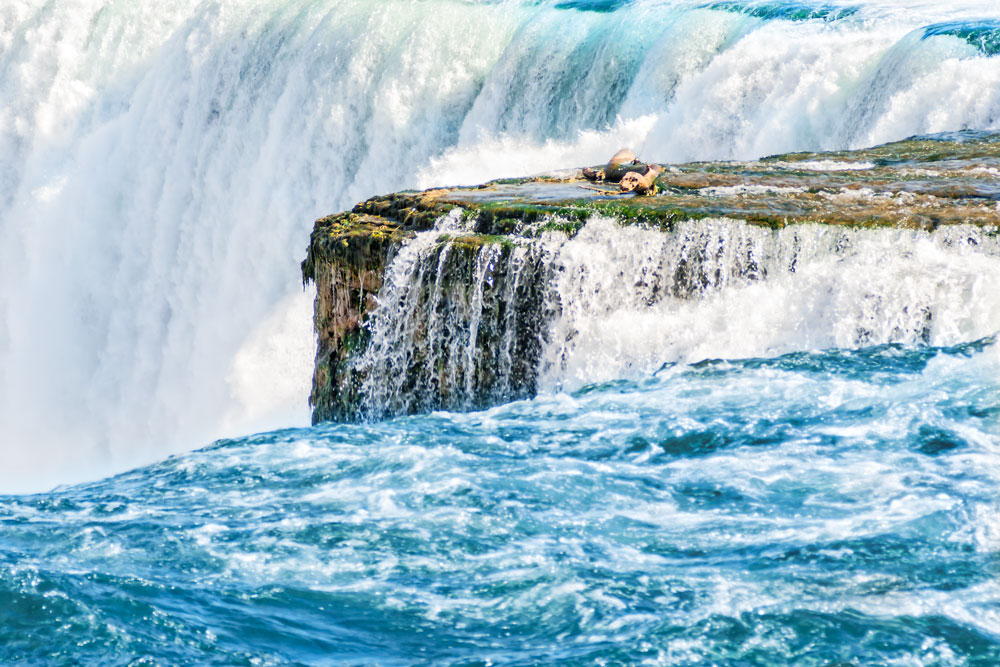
(803, 470)
(821, 508)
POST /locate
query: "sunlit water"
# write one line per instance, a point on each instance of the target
(812, 508)
(159, 171)
(161, 165)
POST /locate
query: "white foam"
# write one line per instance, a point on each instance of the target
(160, 169)
(848, 289)
(824, 165)
(727, 190)
(271, 373)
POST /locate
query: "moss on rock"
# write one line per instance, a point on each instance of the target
(919, 183)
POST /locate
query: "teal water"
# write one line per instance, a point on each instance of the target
(826, 508)
(161, 168)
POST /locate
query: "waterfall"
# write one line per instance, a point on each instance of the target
(632, 300)
(621, 302)
(160, 168)
(458, 325)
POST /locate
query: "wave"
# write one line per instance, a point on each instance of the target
(789, 11)
(983, 35)
(799, 510)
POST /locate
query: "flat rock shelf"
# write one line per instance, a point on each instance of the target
(443, 298)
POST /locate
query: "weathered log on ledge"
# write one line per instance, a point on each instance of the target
(349, 253)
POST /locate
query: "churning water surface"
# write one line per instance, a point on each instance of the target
(810, 509)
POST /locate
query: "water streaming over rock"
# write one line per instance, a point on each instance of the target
(725, 290)
(159, 169)
(750, 446)
(459, 325)
(464, 324)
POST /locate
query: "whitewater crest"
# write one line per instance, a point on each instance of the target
(478, 296)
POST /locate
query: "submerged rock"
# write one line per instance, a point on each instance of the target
(457, 319)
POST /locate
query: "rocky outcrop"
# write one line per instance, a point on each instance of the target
(347, 259)
(467, 332)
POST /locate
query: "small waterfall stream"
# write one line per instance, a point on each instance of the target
(470, 324)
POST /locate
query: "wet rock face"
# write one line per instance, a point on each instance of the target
(458, 317)
(462, 329)
(343, 296)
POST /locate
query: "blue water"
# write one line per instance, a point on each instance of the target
(824, 508)
(160, 169)
(984, 34)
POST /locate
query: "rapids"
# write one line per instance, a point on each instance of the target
(798, 464)
(810, 509)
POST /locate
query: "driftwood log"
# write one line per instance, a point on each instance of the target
(641, 183)
(614, 174)
(620, 164)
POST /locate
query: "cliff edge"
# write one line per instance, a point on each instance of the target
(468, 327)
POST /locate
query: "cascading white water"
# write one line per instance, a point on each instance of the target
(161, 172)
(633, 299)
(623, 301)
(457, 324)
(159, 168)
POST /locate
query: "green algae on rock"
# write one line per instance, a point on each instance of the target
(485, 274)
